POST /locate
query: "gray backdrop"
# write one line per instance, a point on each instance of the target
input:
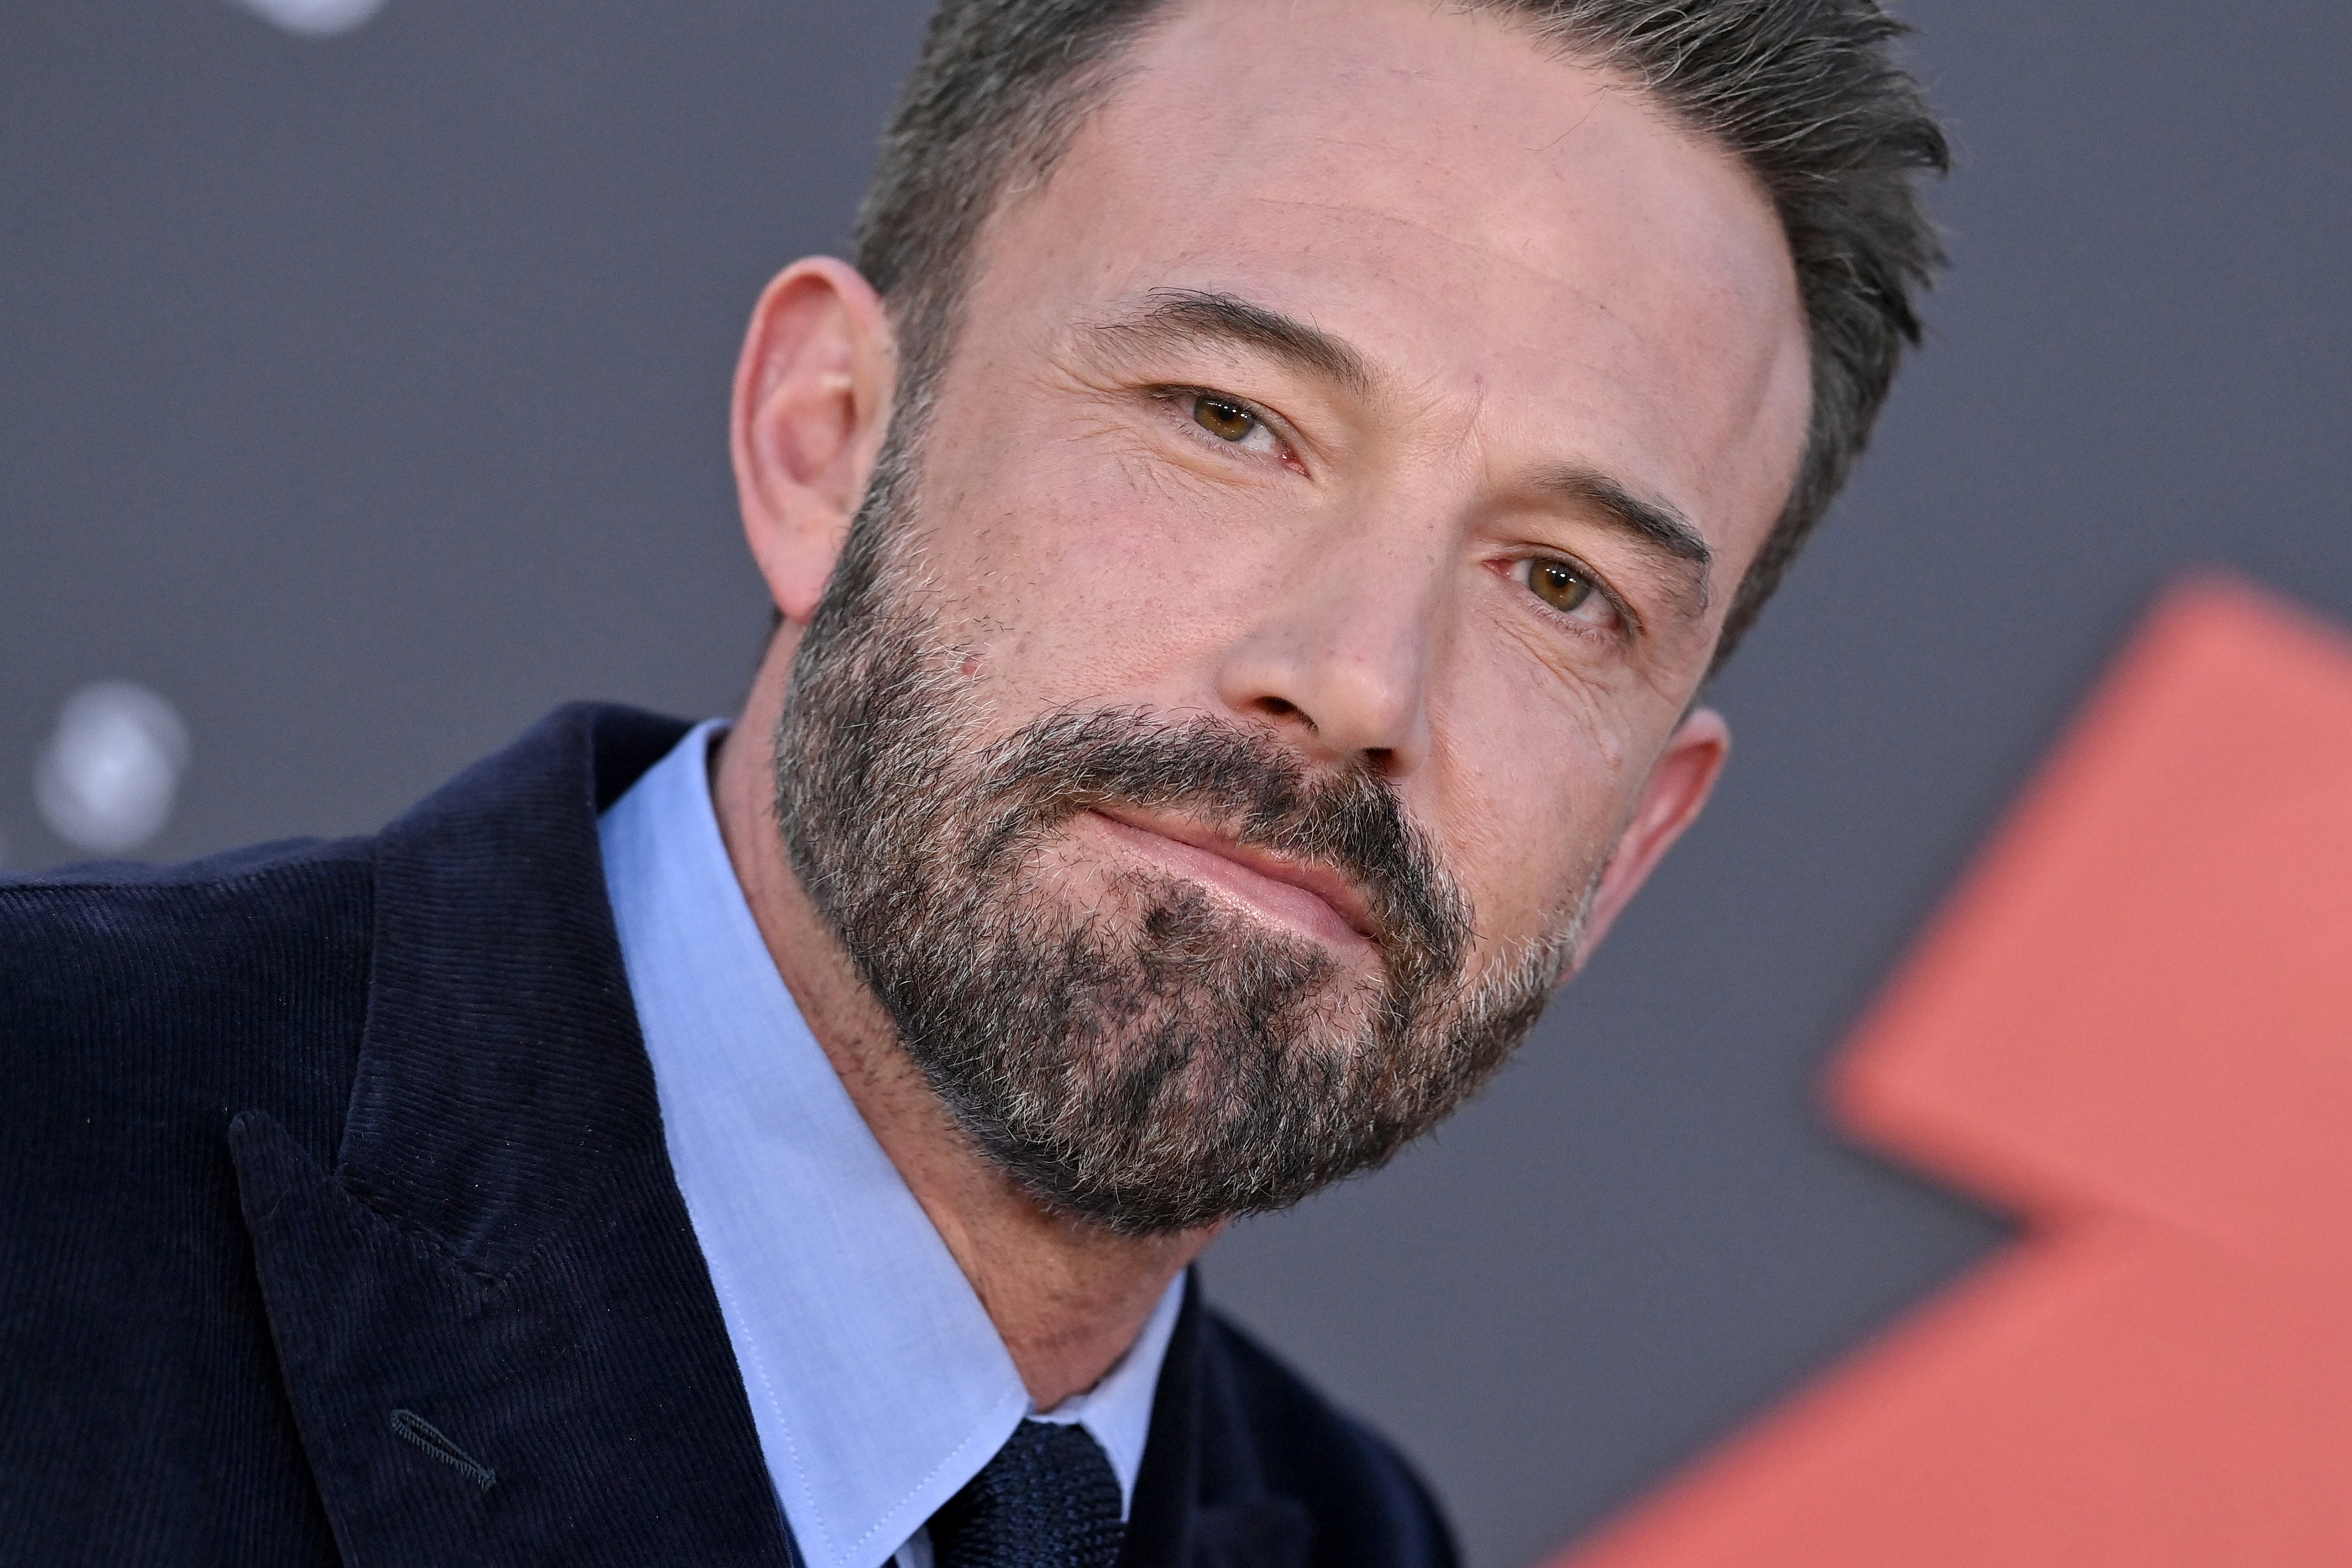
(363, 396)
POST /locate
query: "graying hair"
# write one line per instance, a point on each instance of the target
(1806, 93)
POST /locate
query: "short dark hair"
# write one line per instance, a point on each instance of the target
(1807, 93)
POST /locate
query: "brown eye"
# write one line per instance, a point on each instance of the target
(1222, 418)
(1559, 584)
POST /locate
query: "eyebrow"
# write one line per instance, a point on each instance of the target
(1196, 315)
(1185, 316)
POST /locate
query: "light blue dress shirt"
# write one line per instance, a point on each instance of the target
(877, 1381)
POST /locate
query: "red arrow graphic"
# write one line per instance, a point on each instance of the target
(2132, 1027)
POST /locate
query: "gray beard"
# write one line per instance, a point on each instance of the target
(1156, 1062)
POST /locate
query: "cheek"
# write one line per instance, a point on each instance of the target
(1077, 574)
(1528, 791)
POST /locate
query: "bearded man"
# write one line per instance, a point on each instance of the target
(1248, 541)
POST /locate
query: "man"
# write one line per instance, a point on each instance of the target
(1248, 541)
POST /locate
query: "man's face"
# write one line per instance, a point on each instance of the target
(1387, 411)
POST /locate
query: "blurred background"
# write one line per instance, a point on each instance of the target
(363, 374)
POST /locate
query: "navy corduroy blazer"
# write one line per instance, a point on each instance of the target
(336, 1226)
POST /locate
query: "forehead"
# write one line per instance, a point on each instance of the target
(1533, 251)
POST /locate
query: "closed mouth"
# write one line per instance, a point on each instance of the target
(1295, 892)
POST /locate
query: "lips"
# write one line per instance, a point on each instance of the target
(1295, 892)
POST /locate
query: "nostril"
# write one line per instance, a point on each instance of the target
(1275, 707)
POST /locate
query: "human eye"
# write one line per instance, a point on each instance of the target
(1232, 421)
(1571, 589)
(1223, 417)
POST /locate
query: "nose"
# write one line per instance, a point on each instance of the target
(1340, 657)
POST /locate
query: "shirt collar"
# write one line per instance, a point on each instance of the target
(878, 1384)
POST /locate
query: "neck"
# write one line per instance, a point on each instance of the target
(1066, 1298)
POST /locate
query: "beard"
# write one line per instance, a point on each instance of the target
(1149, 1060)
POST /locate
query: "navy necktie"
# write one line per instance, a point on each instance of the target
(1048, 1500)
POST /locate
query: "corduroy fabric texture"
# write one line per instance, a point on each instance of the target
(1048, 1500)
(336, 1226)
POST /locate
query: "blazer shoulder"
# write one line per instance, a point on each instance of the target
(1368, 1505)
(131, 992)
(228, 868)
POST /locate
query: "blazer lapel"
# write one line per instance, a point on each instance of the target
(1200, 1500)
(495, 1324)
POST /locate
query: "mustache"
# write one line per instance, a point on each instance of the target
(1243, 783)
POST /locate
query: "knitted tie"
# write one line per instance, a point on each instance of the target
(1048, 1500)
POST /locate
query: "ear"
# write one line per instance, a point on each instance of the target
(1671, 800)
(811, 404)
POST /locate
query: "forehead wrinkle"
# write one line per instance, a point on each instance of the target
(1454, 240)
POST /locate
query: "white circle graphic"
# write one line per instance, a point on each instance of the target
(315, 19)
(108, 778)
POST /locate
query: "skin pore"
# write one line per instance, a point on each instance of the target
(1362, 374)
